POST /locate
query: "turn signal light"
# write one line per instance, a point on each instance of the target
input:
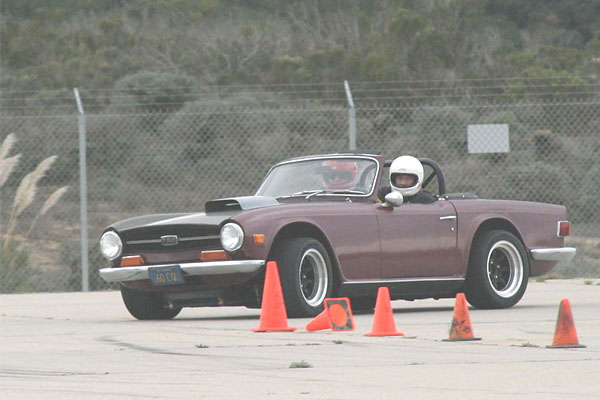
(131, 261)
(214, 255)
(564, 228)
(259, 238)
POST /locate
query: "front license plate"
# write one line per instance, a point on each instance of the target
(163, 276)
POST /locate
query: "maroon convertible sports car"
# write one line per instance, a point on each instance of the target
(332, 241)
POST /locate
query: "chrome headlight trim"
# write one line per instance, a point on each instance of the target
(111, 245)
(232, 236)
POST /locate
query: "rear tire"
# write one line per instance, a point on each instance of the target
(147, 305)
(306, 275)
(498, 270)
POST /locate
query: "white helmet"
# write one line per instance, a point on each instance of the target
(411, 168)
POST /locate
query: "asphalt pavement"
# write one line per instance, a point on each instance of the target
(86, 346)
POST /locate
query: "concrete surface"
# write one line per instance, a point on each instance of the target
(86, 346)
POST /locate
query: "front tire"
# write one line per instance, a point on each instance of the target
(147, 305)
(306, 275)
(498, 270)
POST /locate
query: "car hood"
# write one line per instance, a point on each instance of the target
(216, 211)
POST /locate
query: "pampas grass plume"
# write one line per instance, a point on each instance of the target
(48, 204)
(53, 199)
(7, 166)
(28, 187)
(7, 145)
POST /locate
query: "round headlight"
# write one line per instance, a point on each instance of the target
(232, 236)
(111, 245)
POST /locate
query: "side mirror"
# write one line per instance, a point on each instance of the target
(395, 199)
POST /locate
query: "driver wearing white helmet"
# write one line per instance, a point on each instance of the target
(406, 178)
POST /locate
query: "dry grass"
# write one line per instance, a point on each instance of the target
(26, 191)
(586, 263)
(53, 199)
(48, 204)
(26, 194)
(7, 146)
(8, 164)
(28, 187)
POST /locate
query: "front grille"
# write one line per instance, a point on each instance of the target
(195, 237)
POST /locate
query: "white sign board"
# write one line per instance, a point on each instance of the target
(489, 138)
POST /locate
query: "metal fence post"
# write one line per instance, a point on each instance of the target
(351, 117)
(85, 270)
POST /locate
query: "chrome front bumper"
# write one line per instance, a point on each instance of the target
(122, 274)
(554, 254)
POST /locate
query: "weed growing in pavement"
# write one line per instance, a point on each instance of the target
(337, 341)
(528, 344)
(544, 278)
(202, 346)
(300, 364)
(588, 282)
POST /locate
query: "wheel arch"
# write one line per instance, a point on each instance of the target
(478, 287)
(305, 229)
(495, 223)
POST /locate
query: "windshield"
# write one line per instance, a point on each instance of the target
(350, 176)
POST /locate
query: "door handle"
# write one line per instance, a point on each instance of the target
(448, 217)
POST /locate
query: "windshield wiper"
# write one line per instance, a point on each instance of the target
(307, 193)
(312, 193)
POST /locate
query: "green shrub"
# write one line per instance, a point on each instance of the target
(153, 91)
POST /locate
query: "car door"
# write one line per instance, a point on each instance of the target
(353, 232)
(417, 240)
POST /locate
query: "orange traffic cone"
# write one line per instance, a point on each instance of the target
(383, 321)
(565, 335)
(337, 316)
(340, 314)
(273, 316)
(461, 323)
(319, 323)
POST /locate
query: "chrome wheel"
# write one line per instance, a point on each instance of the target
(505, 269)
(306, 275)
(498, 270)
(313, 277)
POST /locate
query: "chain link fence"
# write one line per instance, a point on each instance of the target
(152, 161)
